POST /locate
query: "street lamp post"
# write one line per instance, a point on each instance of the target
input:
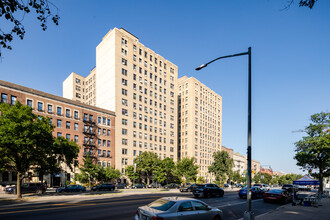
(248, 213)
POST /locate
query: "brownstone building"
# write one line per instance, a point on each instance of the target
(92, 128)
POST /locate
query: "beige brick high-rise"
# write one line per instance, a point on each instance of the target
(141, 87)
(200, 123)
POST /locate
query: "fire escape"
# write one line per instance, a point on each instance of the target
(90, 138)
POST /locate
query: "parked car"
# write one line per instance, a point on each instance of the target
(208, 190)
(178, 208)
(226, 185)
(139, 186)
(278, 195)
(38, 188)
(256, 192)
(121, 186)
(239, 185)
(104, 187)
(72, 188)
(155, 185)
(172, 186)
(263, 187)
(289, 187)
(188, 188)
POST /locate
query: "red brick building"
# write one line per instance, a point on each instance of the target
(92, 128)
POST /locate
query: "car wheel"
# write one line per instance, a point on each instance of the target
(196, 196)
(221, 194)
(80, 190)
(39, 191)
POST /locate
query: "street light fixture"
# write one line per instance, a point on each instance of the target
(248, 214)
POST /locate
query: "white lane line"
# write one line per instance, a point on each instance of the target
(238, 203)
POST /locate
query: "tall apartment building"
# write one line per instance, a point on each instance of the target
(141, 87)
(81, 89)
(92, 128)
(200, 123)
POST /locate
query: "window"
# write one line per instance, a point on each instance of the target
(13, 100)
(99, 120)
(124, 131)
(124, 61)
(124, 121)
(50, 108)
(59, 110)
(68, 136)
(108, 132)
(67, 125)
(104, 120)
(124, 82)
(67, 112)
(40, 106)
(29, 103)
(108, 122)
(59, 134)
(85, 116)
(59, 123)
(124, 102)
(124, 151)
(124, 92)
(124, 112)
(186, 206)
(76, 138)
(124, 72)
(76, 126)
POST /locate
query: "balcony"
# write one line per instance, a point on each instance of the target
(90, 122)
(91, 155)
(89, 144)
(91, 133)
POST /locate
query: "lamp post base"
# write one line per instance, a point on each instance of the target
(248, 215)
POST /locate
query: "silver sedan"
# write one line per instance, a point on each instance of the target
(175, 208)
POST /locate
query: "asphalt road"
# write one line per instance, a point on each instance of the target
(122, 207)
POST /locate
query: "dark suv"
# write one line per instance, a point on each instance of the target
(104, 187)
(208, 190)
(38, 188)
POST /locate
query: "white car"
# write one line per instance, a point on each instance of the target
(175, 208)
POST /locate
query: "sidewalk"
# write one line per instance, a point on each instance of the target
(299, 212)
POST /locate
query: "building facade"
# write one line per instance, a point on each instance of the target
(92, 128)
(240, 164)
(200, 123)
(141, 87)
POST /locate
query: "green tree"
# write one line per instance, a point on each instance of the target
(10, 9)
(262, 178)
(89, 171)
(313, 150)
(236, 177)
(288, 178)
(169, 169)
(222, 165)
(200, 180)
(129, 171)
(187, 169)
(107, 174)
(26, 142)
(147, 162)
(62, 151)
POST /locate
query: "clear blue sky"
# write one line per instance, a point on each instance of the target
(290, 63)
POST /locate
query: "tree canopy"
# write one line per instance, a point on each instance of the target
(26, 142)
(313, 150)
(187, 169)
(262, 178)
(147, 162)
(14, 11)
(222, 165)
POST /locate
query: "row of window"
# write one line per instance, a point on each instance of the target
(4, 99)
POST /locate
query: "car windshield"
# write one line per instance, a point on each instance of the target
(161, 204)
(277, 191)
(200, 186)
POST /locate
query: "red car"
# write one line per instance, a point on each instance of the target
(277, 195)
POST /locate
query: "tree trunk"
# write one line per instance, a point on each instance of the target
(18, 186)
(321, 181)
(148, 179)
